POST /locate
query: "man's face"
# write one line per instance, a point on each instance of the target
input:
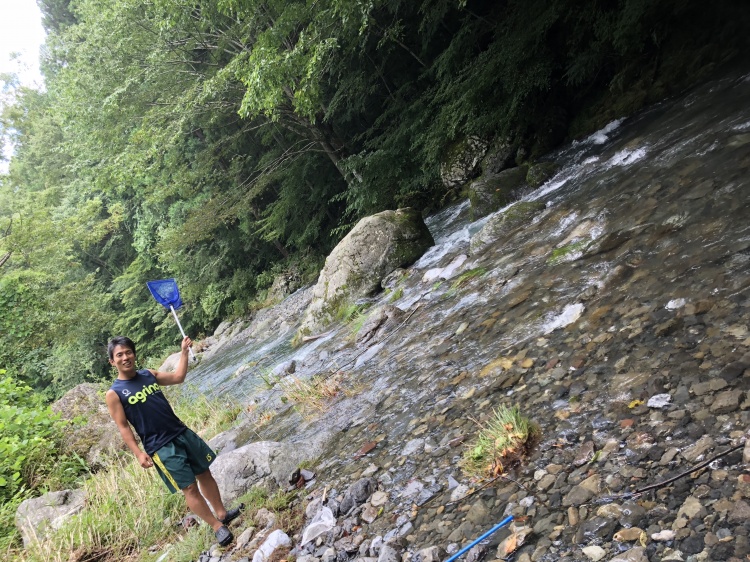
(123, 359)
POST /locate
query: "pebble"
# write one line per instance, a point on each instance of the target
(663, 535)
(594, 553)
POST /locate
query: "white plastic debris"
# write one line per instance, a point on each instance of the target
(322, 522)
(674, 304)
(659, 401)
(570, 314)
(275, 540)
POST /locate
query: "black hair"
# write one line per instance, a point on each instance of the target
(119, 340)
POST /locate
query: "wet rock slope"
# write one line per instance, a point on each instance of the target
(616, 315)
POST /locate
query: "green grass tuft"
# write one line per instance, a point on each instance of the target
(467, 276)
(505, 438)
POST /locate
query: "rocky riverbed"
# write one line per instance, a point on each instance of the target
(615, 314)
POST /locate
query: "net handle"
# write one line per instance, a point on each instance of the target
(174, 313)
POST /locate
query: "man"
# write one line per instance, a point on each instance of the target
(182, 458)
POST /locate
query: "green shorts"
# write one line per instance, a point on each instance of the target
(181, 459)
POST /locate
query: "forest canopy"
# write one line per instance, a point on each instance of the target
(226, 142)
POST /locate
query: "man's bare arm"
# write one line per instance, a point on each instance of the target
(118, 415)
(178, 377)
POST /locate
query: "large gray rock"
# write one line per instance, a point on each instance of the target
(265, 463)
(170, 363)
(36, 517)
(374, 248)
(500, 156)
(492, 192)
(461, 162)
(94, 435)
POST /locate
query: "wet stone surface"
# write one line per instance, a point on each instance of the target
(619, 321)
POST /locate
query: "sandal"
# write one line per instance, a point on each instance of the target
(224, 536)
(233, 514)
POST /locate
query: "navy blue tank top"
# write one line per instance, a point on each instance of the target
(148, 410)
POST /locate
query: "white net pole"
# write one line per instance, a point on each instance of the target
(176, 319)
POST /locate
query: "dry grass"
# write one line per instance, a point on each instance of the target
(316, 394)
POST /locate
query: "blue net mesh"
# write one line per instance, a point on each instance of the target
(165, 292)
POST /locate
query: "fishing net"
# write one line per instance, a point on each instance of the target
(165, 292)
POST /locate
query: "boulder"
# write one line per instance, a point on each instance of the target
(265, 463)
(492, 192)
(36, 517)
(500, 156)
(94, 435)
(374, 248)
(170, 363)
(461, 162)
(502, 224)
(540, 172)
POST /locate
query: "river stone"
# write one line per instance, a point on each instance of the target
(696, 451)
(412, 447)
(284, 284)
(430, 554)
(378, 499)
(378, 324)
(726, 402)
(663, 535)
(740, 513)
(266, 462)
(36, 517)
(628, 535)
(637, 554)
(369, 513)
(355, 268)
(594, 553)
(691, 509)
(389, 554)
(358, 493)
(478, 513)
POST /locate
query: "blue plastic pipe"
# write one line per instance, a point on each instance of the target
(468, 547)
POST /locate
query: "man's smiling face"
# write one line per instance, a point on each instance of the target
(123, 359)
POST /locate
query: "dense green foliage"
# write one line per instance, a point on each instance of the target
(224, 142)
(31, 456)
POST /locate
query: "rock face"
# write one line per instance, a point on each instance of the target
(374, 248)
(98, 435)
(266, 463)
(462, 161)
(36, 517)
(284, 284)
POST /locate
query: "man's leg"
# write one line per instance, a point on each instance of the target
(210, 491)
(197, 504)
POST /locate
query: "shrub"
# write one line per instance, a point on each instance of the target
(31, 457)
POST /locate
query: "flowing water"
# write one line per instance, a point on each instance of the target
(644, 229)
